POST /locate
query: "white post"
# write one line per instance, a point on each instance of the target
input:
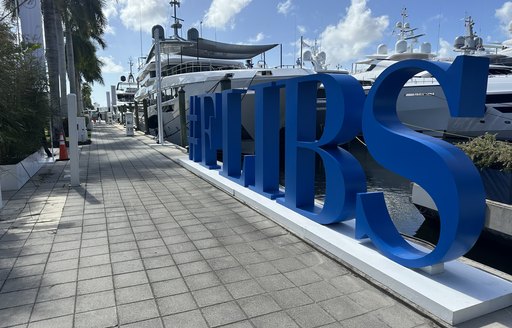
(73, 140)
(157, 37)
(1, 202)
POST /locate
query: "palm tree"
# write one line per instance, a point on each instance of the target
(83, 20)
(84, 23)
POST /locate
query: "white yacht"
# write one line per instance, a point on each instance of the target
(198, 66)
(421, 104)
(125, 92)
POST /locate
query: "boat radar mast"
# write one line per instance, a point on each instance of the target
(469, 43)
(177, 21)
(406, 37)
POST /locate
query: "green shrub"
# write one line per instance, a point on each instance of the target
(487, 152)
(24, 107)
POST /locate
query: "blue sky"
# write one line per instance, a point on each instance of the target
(346, 30)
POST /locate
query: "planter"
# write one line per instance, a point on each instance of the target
(13, 177)
(498, 185)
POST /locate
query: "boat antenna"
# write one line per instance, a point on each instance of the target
(177, 25)
(131, 79)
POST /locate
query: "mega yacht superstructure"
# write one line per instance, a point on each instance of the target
(197, 66)
(421, 104)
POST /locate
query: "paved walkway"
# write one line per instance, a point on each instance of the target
(145, 243)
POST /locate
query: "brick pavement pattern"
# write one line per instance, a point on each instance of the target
(142, 242)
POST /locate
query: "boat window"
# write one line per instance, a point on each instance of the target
(264, 73)
(372, 66)
(500, 98)
(499, 71)
(504, 109)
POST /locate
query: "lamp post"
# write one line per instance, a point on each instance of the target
(158, 35)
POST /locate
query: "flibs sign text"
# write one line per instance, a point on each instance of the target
(443, 170)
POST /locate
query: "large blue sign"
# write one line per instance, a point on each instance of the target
(443, 170)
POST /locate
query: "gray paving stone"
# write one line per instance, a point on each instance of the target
(158, 262)
(22, 283)
(60, 322)
(64, 255)
(225, 262)
(154, 251)
(94, 285)
(310, 316)
(233, 274)
(342, 308)
(133, 294)
(292, 297)
(249, 258)
(191, 319)
(54, 292)
(202, 280)
(130, 279)
(365, 320)
(17, 298)
(399, 316)
(261, 269)
(210, 296)
(97, 318)
(239, 324)
(206, 243)
(320, 291)
(54, 278)
(96, 271)
(258, 305)
(176, 303)
(244, 288)
(15, 315)
(138, 311)
(52, 309)
(192, 268)
(275, 282)
(165, 273)
(127, 266)
(151, 323)
(124, 256)
(169, 287)
(62, 265)
(187, 257)
(222, 314)
(95, 301)
(94, 260)
(371, 299)
(303, 276)
(274, 320)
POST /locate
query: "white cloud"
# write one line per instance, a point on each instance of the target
(110, 66)
(301, 29)
(446, 49)
(504, 14)
(284, 7)
(136, 14)
(260, 36)
(353, 33)
(222, 12)
(110, 9)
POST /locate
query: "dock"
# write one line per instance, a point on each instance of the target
(143, 242)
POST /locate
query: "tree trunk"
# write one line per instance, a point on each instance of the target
(62, 67)
(52, 59)
(70, 59)
(80, 98)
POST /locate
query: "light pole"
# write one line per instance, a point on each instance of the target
(158, 35)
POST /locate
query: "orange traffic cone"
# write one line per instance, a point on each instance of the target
(63, 151)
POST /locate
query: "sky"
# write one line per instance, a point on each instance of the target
(346, 30)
